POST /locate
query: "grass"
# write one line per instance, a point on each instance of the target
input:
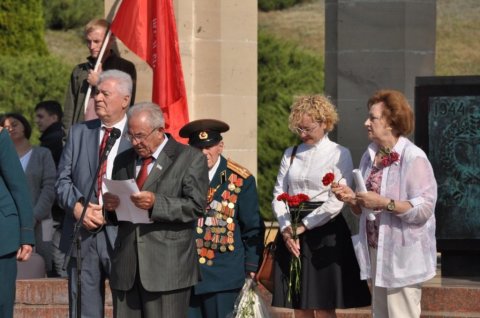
(68, 46)
(458, 31)
(457, 46)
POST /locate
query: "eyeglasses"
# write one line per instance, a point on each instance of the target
(12, 126)
(300, 131)
(139, 138)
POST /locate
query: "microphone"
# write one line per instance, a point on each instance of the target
(114, 135)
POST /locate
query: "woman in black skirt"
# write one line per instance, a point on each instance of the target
(314, 235)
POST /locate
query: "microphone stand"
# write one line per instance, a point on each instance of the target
(114, 134)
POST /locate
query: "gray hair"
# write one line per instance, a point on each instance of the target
(155, 114)
(124, 81)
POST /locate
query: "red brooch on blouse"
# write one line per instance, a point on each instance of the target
(388, 157)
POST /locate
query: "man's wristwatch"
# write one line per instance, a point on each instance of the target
(391, 205)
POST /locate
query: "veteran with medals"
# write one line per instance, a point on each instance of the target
(230, 235)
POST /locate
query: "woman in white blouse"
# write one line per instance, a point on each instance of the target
(330, 276)
(39, 168)
(396, 249)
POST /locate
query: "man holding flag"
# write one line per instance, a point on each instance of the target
(84, 74)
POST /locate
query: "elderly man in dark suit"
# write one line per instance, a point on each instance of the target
(155, 264)
(77, 169)
(230, 236)
(16, 222)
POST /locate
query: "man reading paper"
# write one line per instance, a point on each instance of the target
(154, 265)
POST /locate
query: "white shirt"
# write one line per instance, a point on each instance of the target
(406, 252)
(309, 166)
(113, 153)
(155, 155)
(211, 172)
(25, 159)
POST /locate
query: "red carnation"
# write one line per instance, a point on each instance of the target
(385, 161)
(389, 157)
(394, 156)
(283, 197)
(302, 197)
(328, 178)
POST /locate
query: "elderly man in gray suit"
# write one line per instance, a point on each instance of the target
(77, 169)
(155, 264)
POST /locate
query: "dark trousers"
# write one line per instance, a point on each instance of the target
(140, 303)
(95, 270)
(212, 305)
(8, 275)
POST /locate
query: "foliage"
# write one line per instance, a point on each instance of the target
(21, 28)
(269, 5)
(284, 71)
(70, 14)
(25, 81)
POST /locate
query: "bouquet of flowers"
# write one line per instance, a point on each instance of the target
(249, 303)
(296, 203)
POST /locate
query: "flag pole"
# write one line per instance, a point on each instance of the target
(95, 69)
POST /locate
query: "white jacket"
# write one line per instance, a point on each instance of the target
(406, 244)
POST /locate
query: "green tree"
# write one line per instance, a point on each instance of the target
(269, 5)
(26, 81)
(22, 28)
(71, 14)
(284, 71)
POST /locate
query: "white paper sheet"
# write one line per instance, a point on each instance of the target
(357, 176)
(126, 211)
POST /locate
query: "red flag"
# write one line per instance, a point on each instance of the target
(147, 27)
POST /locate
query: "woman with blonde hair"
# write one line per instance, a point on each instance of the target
(316, 234)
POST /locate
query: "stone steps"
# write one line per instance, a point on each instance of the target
(441, 298)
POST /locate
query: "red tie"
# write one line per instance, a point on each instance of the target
(143, 173)
(103, 169)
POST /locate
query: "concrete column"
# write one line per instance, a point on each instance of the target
(218, 47)
(370, 45)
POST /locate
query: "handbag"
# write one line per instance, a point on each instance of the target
(265, 273)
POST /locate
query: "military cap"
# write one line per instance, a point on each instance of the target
(204, 132)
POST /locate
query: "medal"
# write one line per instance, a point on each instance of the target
(231, 186)
(199, 230)
(231, 248)
(210, 254)
(229, 220)
(209, 262)
(202, 260)
(231, 205)
(223, 249)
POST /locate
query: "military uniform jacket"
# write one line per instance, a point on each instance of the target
(229, 238)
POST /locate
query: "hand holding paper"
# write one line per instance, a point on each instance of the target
(126, 210)
(357, 176)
